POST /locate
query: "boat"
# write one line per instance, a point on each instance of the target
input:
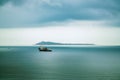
(44, 49)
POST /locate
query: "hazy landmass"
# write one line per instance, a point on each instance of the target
(55, 43)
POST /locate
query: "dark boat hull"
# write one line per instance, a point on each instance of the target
(46, 50)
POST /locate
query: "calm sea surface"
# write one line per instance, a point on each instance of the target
(63, 63)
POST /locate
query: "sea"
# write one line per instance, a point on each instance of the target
(63, 63)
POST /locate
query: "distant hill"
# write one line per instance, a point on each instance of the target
(48, 43)
(55, 43)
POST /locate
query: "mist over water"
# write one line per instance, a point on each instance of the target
(63, 63)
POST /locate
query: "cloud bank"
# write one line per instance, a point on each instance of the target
(35, 12)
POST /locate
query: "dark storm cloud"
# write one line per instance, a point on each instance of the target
(14, 2)
(2, 2)
(30, 12)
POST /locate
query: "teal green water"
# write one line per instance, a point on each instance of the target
(63, 63)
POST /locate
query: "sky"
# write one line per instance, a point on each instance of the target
(26, 22)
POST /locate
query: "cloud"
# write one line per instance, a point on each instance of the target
(14, 2)
(31, 12)
(69, 32)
